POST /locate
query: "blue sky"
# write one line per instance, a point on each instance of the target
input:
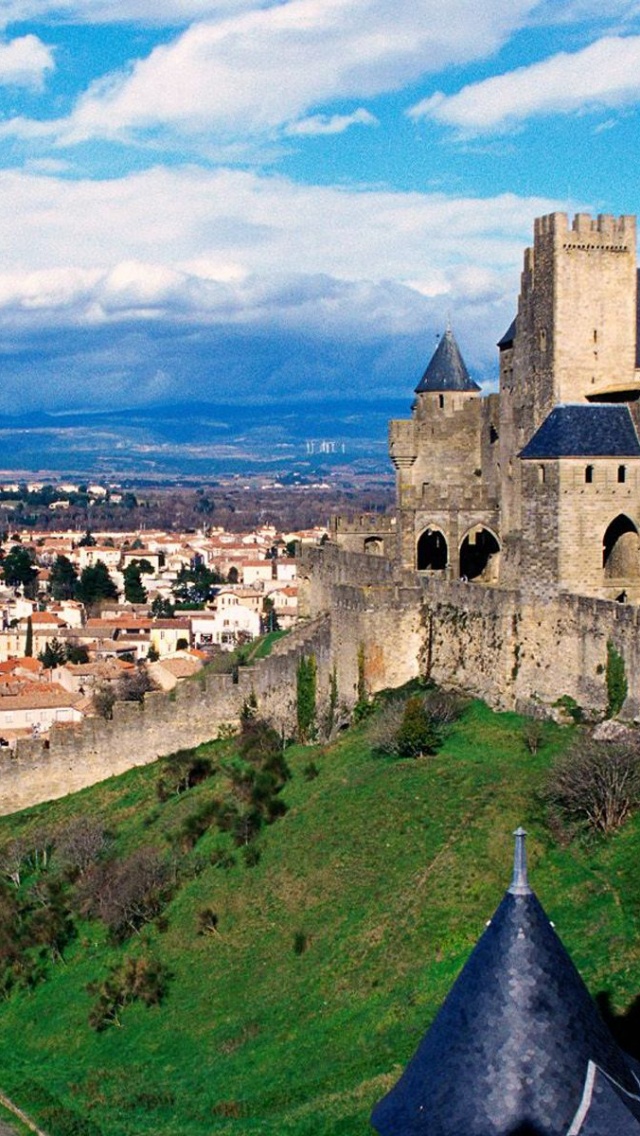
(228, 199)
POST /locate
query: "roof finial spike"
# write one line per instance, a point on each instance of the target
(519, 882)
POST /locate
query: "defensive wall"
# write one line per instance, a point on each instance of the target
(76, 756)
(506, 646)
(370, 625)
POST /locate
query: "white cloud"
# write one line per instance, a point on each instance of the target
(332, 124)
(24, 62)
(604, 75)
(258, 70)
(150, 12)
(235, 249)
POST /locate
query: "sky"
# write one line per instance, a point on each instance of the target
(224, 200)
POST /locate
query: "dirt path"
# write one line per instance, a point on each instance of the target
(6, 1129)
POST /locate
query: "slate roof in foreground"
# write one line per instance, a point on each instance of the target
(447, 370)
(518, 1047)
(582, 430)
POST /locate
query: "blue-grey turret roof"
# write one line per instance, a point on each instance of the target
(447, 369)
(518, 1045)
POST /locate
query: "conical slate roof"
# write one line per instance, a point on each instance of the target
(447, 370)
(518, 1047)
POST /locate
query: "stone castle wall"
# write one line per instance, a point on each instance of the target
(506, 647)
(374, 624)
(80, 755)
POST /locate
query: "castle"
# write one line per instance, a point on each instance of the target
(511, 567)
(536, 487)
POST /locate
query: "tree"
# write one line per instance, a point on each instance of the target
(269, 617)
(595, 785)
(416, 735)
(134, 590)
(162, 608)
(63, 580)
(196, 584)
(28, 642)
(88, 540)
(104, 699)
(20, 570)
(96, 584)
(54, 654)
(306, 682)
(133, 686)
(76, 653)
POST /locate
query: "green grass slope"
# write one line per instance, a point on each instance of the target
(384, 870)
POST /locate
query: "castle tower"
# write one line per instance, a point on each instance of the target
(518, 1046)
(437, 454)
(573, 342)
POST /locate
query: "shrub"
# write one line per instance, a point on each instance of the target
(251, 856)
(300, 942)
(125, 894)
(310, 771)
(207, 921)
(417, 734)
(79, 842)
(533, 734)
(595, 787)
(384, 730)
(444, 706)
(181, 771)
(617, 688)
(135, 980)
(306, 682)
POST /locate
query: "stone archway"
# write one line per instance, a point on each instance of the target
(621, 550)
(479, 555)
(374, 546)
(432, 552)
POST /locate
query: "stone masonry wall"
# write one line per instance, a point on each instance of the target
(371, 623)
(81, 755)
(506, 647)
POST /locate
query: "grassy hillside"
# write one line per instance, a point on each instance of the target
(331, 954)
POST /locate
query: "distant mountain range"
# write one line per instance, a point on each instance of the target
(198, 438)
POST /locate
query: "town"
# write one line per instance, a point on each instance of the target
(91, 618)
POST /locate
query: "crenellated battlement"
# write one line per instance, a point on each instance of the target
(604, 232)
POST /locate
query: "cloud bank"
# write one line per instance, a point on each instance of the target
(605, 74)
(182, 265)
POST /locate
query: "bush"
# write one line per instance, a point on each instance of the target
(181, 771)
(384, 729)
(135, 980)
(595, 787)
(300, 942)
(533, 735)
(417, 734)
(444, 706)
(617, 688)
(125, 894)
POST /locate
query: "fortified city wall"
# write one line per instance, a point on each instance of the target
(367, 622)
(505, 646)
(80, 755)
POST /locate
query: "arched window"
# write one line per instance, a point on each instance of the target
(478, 555)
(622, 474)
(432, 554)
(620, 550)
(588, 474)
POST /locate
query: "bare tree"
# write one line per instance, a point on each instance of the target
(125, 894)
(596, 785)
(79, 843)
